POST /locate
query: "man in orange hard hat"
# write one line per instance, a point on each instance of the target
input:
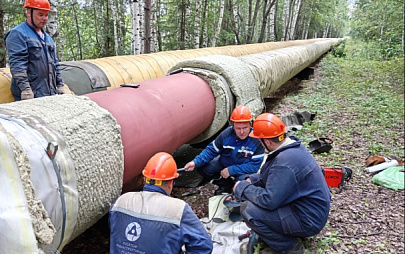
(289, 198)
(151, 221)
(32, 55)
(232, 155)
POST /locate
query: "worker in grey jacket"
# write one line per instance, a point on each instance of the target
(289, 198)
(151, 221)
(32, 55)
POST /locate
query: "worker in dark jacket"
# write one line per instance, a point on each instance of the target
(151, 221)
(232, 155)
(289, 198)
(32, 55)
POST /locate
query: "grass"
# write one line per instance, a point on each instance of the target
(359, 103)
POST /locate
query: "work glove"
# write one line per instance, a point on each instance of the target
(27, 94)
(60, 89)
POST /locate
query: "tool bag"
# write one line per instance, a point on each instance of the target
(336, 176)
(320, 145)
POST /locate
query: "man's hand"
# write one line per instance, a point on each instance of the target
(60, 89)
(27, 94)
(189, 166)
(234, 187)
(225, 173)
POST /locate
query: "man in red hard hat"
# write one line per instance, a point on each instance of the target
(289, 198)
(232, 155)
(151, 221)
(32, 55)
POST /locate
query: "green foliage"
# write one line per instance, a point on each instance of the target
(369, 93)
(339, 51)
(380, 23)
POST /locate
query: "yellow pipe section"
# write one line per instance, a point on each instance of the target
(136, 68)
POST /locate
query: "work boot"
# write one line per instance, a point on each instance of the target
(221, 190)
(297, 249)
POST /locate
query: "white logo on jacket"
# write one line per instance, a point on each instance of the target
(133, 231)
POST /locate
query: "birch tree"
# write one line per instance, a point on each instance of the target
(267, 6)
(115, 24)
(235, 20)
(219, 24)
(197, 23)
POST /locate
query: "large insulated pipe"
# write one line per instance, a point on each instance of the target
(161, 114)
(87, 76)
(59, 193)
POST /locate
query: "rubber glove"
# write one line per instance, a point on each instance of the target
(60, 89)
(27, 94)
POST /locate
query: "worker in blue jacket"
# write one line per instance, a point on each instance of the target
(32, 55)
(289, 198)
(151, 221)
(232, 156)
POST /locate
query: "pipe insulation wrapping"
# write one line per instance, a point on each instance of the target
(232, 84)
(93, 75)
(249, 78)
(88, 163)
(272, 69)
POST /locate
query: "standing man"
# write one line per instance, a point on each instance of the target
(289, 199)
(151, 221)
(32, 55)
(232, 156)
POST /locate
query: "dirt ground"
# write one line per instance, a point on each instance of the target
(364, 218)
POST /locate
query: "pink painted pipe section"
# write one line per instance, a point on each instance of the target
(160, 115)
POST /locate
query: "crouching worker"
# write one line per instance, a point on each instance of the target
(289, 199)
(232, 156)
(151, 221)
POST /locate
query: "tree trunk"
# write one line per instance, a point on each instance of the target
(266, 11)
(286, 19)
(148, 14)
(182, 31)
(297, 10)
(115, 24)
(197, 23)
(79, 40)
(136, 40)
(233, 8)
(272, 28)
(204, 35)
(158, 33)
(52, 25)
(218, 29)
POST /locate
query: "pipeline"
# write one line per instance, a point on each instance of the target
(82, 77)
(93, 147)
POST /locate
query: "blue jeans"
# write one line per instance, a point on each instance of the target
(212, 170)
(280, 229)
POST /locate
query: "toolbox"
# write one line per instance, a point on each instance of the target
(336, 176)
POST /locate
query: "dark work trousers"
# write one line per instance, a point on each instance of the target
(212, 170)
(280, 229)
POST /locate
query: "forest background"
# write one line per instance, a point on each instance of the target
(101, 28)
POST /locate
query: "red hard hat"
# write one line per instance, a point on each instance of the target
(38, 4)
(161, 167)
(267, 126)
(241, 114)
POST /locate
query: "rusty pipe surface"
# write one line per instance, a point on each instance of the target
(160, 115)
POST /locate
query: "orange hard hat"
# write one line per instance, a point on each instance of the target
(161, 167)
(38, 4)
(241, 114)
(267, 125)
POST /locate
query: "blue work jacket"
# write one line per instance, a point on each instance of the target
(239, 156)
(151, 221)
(33, 61)
(290, 177)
